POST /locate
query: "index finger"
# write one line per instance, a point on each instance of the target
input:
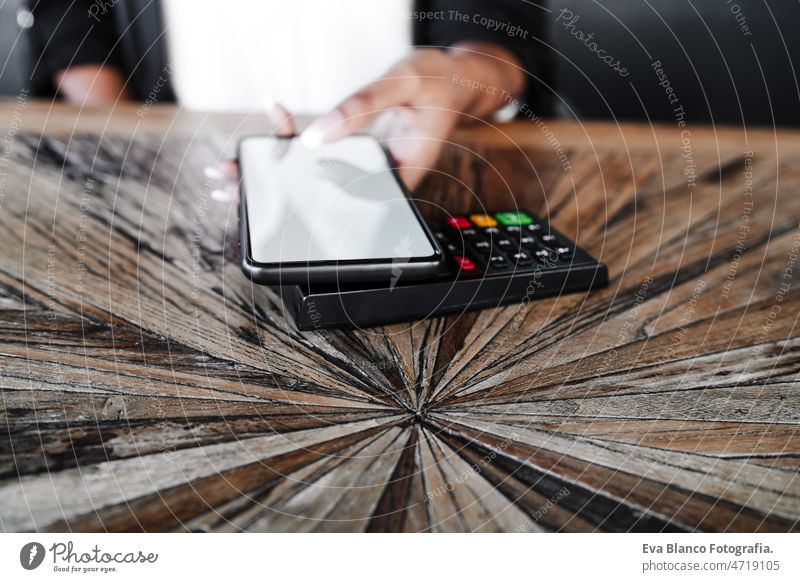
(394, 89)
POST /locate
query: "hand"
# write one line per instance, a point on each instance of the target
(420, 101)
(91, 85)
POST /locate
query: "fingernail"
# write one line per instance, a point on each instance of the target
(278, 117)
(271, 107)
(323, 130)
(221, 195)
(212, 173)
(312, 137)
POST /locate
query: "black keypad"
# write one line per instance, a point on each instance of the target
(514, 249)
(490, 260)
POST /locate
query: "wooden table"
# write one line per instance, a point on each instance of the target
(147, 385)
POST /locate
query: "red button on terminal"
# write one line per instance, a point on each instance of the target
(458, 222)
(464, 263)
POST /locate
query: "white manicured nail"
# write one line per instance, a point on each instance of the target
(312, 137)
(323, 129)
(212, 173)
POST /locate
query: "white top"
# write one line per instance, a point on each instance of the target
(238, 55)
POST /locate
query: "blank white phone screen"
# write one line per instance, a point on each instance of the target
(337, 202)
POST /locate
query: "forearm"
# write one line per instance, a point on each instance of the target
(486, 77)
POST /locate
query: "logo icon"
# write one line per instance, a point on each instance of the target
(31, 555)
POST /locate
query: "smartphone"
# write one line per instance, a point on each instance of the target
(335, 213)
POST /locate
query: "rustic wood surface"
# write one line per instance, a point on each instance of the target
(147, 385)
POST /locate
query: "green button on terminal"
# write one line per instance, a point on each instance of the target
(513, 218)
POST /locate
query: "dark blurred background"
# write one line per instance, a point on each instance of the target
(731, 62)
(727, 62)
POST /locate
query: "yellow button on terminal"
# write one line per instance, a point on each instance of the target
(482, 220)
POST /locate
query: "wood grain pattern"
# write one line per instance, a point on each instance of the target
(145, 384)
